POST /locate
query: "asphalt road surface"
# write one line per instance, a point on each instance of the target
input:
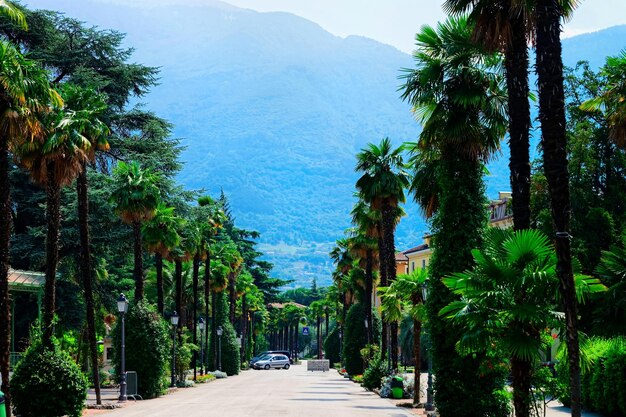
(293, 393)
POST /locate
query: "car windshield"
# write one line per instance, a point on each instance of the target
(265, 357)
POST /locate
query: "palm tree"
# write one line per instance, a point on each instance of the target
(501, 25)
(457, 94)
(54, 160)
(23, 92)
(405, 294)
(613, 99)
(492, 313)
(87, 106)
(316, 310)
(135, 197)
(160, 236)
(215, 219)
(364, 244)
(382, 185)
(549, 67)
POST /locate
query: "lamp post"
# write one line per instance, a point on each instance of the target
(174, 321)
(201, 327)
(220, 331)
(429, 390)
(122, 308)
(367, 331)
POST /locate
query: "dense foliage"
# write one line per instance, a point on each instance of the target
(355, 338)
(230, 349)
(48, 383)
(604, 380)
(332, 346)
(374, 373)
(148, 348)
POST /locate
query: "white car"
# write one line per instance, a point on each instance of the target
(272, 361)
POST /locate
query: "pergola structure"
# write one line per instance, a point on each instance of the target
(23, 282)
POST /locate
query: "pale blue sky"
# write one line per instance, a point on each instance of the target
(395, 22)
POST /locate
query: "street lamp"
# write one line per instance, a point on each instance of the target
(174, 321)
(122, 308)
(220, 331)
(201, 327)
(429, 389)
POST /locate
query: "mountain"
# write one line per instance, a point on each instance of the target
(272, 109)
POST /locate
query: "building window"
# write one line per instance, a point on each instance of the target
(423, 263)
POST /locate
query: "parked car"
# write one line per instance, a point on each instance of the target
(272, 361)
(269, 352)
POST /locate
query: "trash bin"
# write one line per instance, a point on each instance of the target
(3, 410)
(397, 386)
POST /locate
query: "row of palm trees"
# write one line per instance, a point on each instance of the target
(465, 104)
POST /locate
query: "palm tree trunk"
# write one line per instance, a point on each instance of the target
(232, 295)
(319, 337)
(178, 276)
(86, 271)
(521, 372)
(383, 283)
(5, 304)
(214, 326)
(516, 64)
(244, 326)
(138, 271)
(207, 293)
(53, 217)
(158, 260)
(196, 272)
(554, 144)
(389, 253)
(369, 283)
(417, 347)
(327, 323)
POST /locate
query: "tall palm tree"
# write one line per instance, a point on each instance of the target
(549, 67)
(54, 160)
(364, 244)
(23, 92)
(457, 94)
(502, 25)
(405, 294)
(382, 185)
(160, 236)
(215, 219)
(135, 196)
(492, 313)
(87, 106)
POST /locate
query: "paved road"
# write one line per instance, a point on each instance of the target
(274, 393)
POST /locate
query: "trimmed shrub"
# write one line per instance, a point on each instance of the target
(148, 348)
(47, 383)
(373, 375)
(355, 338)
(332, 346)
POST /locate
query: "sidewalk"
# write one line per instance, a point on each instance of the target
(556, 409)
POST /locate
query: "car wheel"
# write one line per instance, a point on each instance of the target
(286, 366)
(267, 367)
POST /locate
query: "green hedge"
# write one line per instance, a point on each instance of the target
(604, 381)
(48, 383)
(148, 348)
(355, 337)
(332, 348)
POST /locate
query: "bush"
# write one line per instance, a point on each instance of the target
(148, 348)
(201, 379)
(375, 372)
(331, 347)
(355, 338)
(604, 381)
(47, 383)
(231, 359)
(184, 355)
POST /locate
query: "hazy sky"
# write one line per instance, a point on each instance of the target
(395, 22)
